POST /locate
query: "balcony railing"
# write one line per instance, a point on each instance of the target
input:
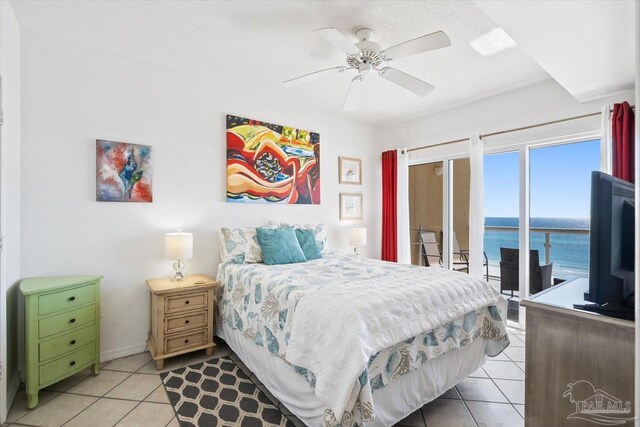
(547, 236)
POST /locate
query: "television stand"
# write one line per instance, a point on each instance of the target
(567, 345)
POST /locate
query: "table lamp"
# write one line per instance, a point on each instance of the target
(357, 238)
(178, 246)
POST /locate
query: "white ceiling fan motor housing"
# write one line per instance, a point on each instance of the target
(369, 50)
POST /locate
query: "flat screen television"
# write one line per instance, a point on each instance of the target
(611, 263)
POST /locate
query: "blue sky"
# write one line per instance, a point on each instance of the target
(560, 181)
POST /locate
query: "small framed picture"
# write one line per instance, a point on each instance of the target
(351, 206)
(350, 170)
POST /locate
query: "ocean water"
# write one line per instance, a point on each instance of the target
(569, 252)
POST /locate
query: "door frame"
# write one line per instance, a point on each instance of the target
(4, 410)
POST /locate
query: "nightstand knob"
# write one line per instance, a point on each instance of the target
(186, 321)
(73, 362)
(72, 321)
(186, 341)
(72, 298)
(186, 302)
(73, 342)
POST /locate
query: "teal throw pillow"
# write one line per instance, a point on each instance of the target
(307, 240)
(280, 246)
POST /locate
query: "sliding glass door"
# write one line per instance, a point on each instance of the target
(560, 194)
(536, 202)
(501, 237)
(459, 171)
(425, 213)
(439, 196)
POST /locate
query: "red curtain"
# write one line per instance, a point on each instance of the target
(390, 206)
(622, 129)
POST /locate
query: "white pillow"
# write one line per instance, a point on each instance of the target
(233, 244)
(253, 251)
(239, 245)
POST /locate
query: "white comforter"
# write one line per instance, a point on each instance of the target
(336, 329)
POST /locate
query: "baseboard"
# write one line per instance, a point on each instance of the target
(116, 353)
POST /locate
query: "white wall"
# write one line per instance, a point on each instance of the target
(73, 95)
(9, 204)
(534, 104)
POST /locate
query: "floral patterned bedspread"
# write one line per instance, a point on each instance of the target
(260, 301)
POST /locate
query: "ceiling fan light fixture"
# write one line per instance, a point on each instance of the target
(493, 42)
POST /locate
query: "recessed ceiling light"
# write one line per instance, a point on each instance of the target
(493, 42)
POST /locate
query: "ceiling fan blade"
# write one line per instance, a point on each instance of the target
(337, 39)
(353, 94)
(422, 44)
(408, 82)
(312, 76)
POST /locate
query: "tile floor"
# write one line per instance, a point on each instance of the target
(128, 392)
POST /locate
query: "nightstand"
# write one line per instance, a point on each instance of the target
(62, 325)
(182, 314)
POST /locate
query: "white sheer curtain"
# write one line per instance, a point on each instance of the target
(606, 144)
(404, 242)
(476, 208)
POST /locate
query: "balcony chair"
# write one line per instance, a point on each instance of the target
(461, 258)
(429, 249)
(432, 256)
(539, 277)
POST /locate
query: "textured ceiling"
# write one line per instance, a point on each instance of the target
(259, 44)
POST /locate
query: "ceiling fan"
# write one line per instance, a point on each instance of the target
(367, 56)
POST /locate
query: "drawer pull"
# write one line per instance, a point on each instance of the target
(72, 298)
(186, 302)
(72, 320)
(186, 341)
(73, 362)
(186, 321)
(73, 342)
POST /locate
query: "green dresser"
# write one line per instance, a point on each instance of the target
(62, 324)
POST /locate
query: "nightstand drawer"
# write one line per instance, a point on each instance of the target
(67, 364)
(184, 302)
(66, 321)
(185, 341)
(184, 322)
(66, 299)
(66, 343)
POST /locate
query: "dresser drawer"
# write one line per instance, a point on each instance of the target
(67, 364)
(65, 300)
(66, 343)
(66, 321)
(187, 321)
(185, 302)
(185, 341)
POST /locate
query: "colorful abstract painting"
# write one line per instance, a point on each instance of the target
(123, 172)
(269, 163)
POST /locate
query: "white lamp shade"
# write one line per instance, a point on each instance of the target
(357, 236)
(178, 246)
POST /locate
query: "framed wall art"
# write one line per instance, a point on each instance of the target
(351, 206)
(350, 170)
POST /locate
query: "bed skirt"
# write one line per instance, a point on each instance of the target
(392, 403)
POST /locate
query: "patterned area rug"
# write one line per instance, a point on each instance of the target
(220, 392)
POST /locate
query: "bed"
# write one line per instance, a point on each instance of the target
(347, 340)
